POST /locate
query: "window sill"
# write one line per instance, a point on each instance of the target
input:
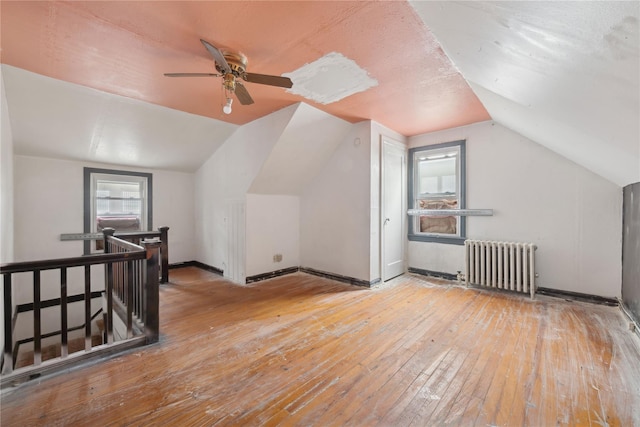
(437, 239)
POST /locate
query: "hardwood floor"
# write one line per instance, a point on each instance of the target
(303, 350)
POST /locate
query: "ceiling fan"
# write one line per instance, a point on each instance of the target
(232, 67)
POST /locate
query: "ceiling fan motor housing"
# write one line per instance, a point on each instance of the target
(232, 67)
(237, 62)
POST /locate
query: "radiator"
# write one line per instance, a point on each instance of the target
(501, 265)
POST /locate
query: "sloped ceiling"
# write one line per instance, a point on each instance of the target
(564, 74)
(56, 119)
(124, 47)
(301, 151)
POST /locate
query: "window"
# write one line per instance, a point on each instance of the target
(116, 199)
(437, 181)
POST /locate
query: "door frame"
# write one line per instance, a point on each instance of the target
(384, 139)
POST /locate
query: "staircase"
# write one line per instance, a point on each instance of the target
(130, 303)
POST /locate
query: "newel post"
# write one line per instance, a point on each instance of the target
(106, 232)
(164, 253)
(8, 323)
(108, 287)
(151, 316)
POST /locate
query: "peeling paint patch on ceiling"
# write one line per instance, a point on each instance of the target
(330, 79)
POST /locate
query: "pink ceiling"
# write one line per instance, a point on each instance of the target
(125, 47)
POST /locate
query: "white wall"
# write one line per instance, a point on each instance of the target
(305, 145)
(573, 215)
(6, 180)
(49, 202)
(335, 210)
(273, 227)
(223, 182)
(6, 189)
(173, 206)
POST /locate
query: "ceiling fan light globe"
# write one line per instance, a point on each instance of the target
(227, 106)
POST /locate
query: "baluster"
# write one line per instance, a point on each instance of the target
(64, 350)
(140, 287)
(108, 284)
(164, 253)
(129, 299)
(151, 313)
(122, 274)
(142, 284)
(117, 279)
(8, 330)
(87, 307)
(37, 332)
(134, 287)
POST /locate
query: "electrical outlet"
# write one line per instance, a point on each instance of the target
(277, 258)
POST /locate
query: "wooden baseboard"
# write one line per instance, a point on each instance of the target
(340, 278)
(282, 272)
(573, 296)
(271, 274)
(430, 273)
(197, 264)
(577, 296)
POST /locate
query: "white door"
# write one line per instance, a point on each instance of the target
(393, 209)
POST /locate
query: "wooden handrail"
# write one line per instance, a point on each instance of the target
(162, 233)
(135, 290)
(51, 264)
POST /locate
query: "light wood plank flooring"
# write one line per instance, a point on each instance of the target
(303, 350)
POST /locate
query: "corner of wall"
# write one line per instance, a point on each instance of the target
(6, 179)
(334, 206)
(631, 250)
(221, 185)
(572, 214)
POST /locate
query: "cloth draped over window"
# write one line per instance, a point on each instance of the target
(438, 224)
(121, 224)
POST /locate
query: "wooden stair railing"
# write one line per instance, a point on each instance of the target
(134, 237)
(131, 280)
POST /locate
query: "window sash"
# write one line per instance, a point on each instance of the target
(114, 202)
(437, 228)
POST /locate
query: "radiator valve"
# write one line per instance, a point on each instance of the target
(460, 277)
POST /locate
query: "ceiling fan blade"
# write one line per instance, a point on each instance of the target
(242, 94)
(217, 56)
(191, 75)
(264, 79)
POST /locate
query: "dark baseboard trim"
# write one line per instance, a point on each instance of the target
(196, 264)
(284, 271)
(271, 274)
(577, 296)
(430, 273)
(574, 296)
(340, 278)
(182, 264)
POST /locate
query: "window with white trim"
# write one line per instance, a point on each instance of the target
(116, 199)
(437, 181)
